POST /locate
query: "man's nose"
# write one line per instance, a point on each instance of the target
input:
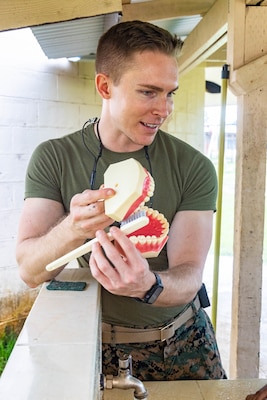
(163, 107)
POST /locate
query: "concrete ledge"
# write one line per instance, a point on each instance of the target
(57, 354)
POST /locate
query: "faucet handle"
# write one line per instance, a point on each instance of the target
(126, 362)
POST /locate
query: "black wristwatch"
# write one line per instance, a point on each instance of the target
(153, 293)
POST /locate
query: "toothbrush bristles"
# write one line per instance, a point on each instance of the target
(134, 216)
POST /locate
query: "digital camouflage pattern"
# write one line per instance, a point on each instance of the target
(192, 353)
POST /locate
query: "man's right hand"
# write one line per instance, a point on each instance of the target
(47, 233)
(87, 214)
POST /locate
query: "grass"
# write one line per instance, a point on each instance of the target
(7, 342)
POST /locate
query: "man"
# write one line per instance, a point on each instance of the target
(136, 76)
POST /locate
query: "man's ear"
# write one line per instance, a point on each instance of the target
(102, 83)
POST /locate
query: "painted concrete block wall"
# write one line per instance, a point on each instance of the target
(187, 121)
(39, 99)
(42, 99)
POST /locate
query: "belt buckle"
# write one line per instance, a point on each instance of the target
(167, 331)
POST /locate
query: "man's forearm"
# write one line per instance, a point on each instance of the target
(34, 254)
(181, 284)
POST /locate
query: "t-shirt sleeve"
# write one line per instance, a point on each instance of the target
(43, 172)
(200, 185)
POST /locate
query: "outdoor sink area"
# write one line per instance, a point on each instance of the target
(57, 356)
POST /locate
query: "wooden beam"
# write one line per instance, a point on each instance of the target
(256, 18)
(188, 65)
(236, 35)
(250, 76)
(256, 3)
(247, 57)
(23, 13)
(248, 234)
(162, 9)
(207, 37)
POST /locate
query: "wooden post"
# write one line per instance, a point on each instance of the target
(247, 38)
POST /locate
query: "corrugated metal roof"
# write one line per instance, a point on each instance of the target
(181, 26)
(79, 38)
(76, 38)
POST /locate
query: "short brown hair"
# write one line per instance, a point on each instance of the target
(117, 46)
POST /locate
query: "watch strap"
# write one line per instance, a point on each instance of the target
(153, 293)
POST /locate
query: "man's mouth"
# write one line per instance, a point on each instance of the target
(152, 126)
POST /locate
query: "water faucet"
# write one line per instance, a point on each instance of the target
(125, 380)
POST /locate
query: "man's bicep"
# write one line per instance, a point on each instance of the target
(38, 216)
(190, 237)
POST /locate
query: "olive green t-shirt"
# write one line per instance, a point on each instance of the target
(184, 180)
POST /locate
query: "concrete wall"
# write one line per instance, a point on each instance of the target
(41, 99)
(187, 120)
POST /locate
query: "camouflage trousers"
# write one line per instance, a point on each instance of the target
(192, 353)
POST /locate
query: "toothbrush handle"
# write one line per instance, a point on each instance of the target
(87, 247)
(78, 252)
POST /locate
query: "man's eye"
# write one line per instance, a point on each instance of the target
(172, 94)
(147, 92)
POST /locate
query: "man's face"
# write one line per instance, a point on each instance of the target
(143, 99)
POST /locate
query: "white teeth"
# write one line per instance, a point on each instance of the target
(151, 125)
(152, 239)
(151, 188)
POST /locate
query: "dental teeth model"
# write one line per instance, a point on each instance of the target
(134, 186)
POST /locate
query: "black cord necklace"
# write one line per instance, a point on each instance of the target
(93, 173)
(101, 147)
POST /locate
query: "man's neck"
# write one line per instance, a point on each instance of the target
(115, 140)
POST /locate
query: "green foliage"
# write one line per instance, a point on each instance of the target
(7, 342)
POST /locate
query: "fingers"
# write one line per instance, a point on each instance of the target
(118, 266)
(87, 213)
(89, 203)
(91, 196)
(121, 246)
(104, 271)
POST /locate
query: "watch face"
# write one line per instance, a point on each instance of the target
(153, 293)
(153, 296)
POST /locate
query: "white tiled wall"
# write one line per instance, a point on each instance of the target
(39, 99)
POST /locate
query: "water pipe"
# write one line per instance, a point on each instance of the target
(217, 239)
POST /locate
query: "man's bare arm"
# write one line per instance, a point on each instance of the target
(187, 248)
(46, 232)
